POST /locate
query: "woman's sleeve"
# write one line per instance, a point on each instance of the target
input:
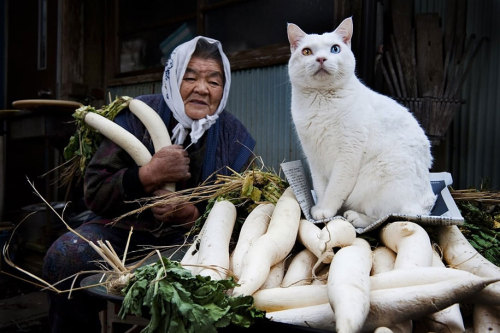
(111, 179)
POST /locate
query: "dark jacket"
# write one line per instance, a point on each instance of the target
(112, 179)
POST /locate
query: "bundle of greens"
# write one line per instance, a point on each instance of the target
(481, 212)
(176, 301)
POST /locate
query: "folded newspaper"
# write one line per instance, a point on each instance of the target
(444, 212)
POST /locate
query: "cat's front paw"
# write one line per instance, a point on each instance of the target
(319, 213)
(358, 220)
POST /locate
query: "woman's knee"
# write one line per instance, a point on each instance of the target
(68, 255)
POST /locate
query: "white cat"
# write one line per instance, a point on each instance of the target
(367, 154)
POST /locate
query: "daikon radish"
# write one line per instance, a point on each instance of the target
(190, 259)
(337, 233)
(254, 226)
(296, 296)
(321, 241)
(274, 299)
(383, 330)
(308, 235)
(214, 245)
(152, 121)
(127, 141)
(275, 276)
(486, 318)
(349, 285)
(410, 242)
(383, 260)
(425, 275)
(273, 246)
(394, 305)
(403, 327)
(446, 320)
(156, 128)
(416, 276)
(388, 307)
(319, 316)
(459, 253)
(300, 269)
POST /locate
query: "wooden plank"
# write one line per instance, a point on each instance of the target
(402, 18)
(429, 54)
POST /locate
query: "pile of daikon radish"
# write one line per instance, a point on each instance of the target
(326, 276)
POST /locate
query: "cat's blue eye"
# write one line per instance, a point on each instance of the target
(335, 48)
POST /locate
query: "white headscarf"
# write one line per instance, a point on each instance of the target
(172, 79)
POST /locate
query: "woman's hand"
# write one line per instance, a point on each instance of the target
(184, 213)
(168, 165)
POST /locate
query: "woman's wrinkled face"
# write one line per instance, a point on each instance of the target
(202, 87)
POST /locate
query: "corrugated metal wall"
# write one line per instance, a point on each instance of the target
(260, 98)
(476, 131)
(473, 142)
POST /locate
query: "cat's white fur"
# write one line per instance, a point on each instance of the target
(367, 154)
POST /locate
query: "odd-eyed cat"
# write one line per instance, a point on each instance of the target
(367, 154)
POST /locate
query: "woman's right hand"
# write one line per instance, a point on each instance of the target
(168, 165)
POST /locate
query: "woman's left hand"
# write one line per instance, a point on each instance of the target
(184, 213)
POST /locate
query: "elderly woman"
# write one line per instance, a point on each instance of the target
(206, 140)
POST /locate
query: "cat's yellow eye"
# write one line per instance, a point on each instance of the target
(307, 51)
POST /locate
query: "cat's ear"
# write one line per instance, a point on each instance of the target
(295, 34)
(345, 30)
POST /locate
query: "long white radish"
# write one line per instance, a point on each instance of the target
(152, 121)
(318, 316)
(349, 285)
(300, 269)
(383, 260)
(425, 275)
(273, 246)
(254, 226)
(394, 305)
(321, 241)
(406, 277)
(275, 276)
(213, 256)
(190, 259)
(448, 319)
(127, 141)
(298, 296)
(337, 233)
(486, 318)
(308, 235)
(410, 242)
(459, 253)
(388, 307)
(403, 327)
(156, 128)
(274, 299)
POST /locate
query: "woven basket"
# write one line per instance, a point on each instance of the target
(434, 114)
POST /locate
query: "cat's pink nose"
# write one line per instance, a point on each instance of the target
(321, 60)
